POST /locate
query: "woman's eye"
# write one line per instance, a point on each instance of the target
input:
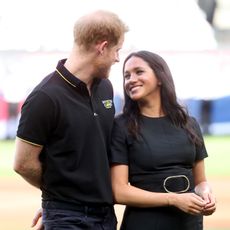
(139, 72)
(126, 76)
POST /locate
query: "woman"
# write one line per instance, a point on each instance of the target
(157, 153)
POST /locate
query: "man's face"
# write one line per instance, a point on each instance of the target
(110, 56)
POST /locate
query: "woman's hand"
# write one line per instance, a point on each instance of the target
(204, 191)
(187, 202)
(36, 219)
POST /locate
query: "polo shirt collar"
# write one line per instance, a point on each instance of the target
(69, 77)
(66, 75)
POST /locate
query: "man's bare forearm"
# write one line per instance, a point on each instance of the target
(31, 175)
(27, 163)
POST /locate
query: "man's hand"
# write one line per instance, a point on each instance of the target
(37, 220)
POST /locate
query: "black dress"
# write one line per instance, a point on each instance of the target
(161, 160)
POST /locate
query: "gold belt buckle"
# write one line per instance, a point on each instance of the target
(177, 176)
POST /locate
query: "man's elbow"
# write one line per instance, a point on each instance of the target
(19, 168)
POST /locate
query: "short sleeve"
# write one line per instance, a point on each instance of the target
(201, 151)
(119, 147)
(37, 117)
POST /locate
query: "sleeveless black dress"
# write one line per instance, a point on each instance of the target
(161, 160)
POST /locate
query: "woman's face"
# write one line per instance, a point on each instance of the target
(140, 81)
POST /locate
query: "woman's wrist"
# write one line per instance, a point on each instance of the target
(170, 199)
(202, 188)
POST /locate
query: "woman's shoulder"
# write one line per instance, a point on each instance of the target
(119, 118)
(193, 121)
(194, 124)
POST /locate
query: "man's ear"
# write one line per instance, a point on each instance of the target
(101, 47)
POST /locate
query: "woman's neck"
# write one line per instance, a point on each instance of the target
(152, 113)
(151, 109)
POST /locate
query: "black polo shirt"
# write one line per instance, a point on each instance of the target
(74, 129)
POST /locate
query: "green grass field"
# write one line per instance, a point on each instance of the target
(218, 147)
(217, 164)
(6, 158)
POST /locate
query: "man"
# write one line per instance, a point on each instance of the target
(64, 131)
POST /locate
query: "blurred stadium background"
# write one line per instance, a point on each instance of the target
(192, 35)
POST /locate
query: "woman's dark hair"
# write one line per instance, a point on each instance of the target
(176, 113)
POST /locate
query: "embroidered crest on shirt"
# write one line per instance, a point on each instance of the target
(108, 104)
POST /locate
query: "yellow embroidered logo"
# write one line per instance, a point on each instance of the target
(108, 104)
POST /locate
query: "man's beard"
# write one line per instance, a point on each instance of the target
(102, 72)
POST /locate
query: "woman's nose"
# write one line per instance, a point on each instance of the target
(133, 77)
